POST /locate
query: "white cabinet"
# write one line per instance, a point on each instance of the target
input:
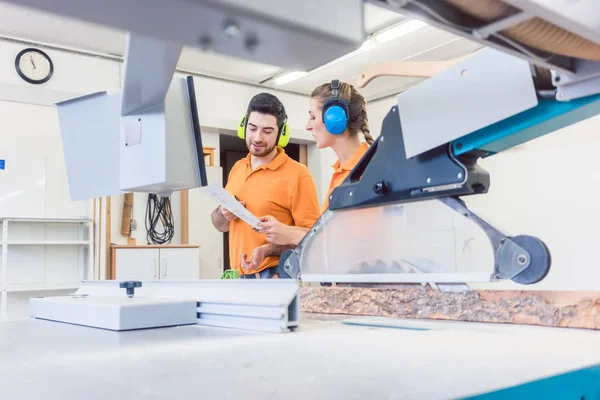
(143, 263)
(136, 264)
(176, 263)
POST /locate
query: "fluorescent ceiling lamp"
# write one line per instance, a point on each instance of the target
(289, 77)
(366, 46)
(400, 30)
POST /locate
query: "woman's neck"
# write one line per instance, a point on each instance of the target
(345, 148)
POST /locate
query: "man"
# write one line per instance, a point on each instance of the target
(266, 182)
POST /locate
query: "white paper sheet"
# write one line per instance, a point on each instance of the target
(227, 201)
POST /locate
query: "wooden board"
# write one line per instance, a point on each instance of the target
(126, 215)
(303, 156)
(555, 309)
(185, 219)
(108, 238)
(416, 69)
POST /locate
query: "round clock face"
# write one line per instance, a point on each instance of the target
(34, 66)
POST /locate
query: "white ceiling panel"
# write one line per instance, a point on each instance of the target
(33, 25)
(454, 49)
(402, 48)
(376, 18)
(205, 63)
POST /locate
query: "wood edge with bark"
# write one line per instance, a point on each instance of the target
(544, 308)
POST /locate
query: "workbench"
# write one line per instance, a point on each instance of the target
(329, 357)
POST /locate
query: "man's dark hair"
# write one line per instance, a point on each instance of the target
(266, 103)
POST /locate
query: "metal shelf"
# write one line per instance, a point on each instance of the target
(84, 225)
(47, 220)
(49, 242)
(39, 287)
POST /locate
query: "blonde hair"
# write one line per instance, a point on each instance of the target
(357, 107)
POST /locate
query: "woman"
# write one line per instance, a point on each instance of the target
(347, 146)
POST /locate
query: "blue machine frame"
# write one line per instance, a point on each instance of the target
(582, 384)
(547, 117)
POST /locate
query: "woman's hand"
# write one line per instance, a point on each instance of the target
(277, 232)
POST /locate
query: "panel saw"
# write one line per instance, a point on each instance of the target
(539, 72)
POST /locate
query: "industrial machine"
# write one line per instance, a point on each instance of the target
(418, 169)
(539, 73)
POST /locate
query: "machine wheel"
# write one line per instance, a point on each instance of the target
(539, 265)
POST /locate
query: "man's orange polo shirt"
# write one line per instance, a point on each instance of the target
(341, 172)
(283, 188)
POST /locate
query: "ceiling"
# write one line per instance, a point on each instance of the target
(424, 44)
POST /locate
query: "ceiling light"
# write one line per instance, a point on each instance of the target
(288, 77)
(399, 30)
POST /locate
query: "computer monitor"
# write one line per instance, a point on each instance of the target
(155, 150)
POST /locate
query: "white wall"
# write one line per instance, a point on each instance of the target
(74, 75)
(377, 112)
(34, 183)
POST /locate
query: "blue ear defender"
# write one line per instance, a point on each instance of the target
(335, 111)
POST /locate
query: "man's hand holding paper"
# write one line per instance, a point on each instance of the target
(228, 214)
(230, 207)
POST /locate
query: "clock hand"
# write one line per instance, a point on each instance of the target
(32, 63)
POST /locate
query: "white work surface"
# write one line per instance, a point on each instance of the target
(324, 360)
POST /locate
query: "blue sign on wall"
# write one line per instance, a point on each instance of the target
(2, 163)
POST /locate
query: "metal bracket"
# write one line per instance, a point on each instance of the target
(485, 31)
(385, 175)
(509, 258)
(291, 265)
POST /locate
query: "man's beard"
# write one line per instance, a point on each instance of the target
(262, 151)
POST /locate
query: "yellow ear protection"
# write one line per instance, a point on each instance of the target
(335, 111)
(283, 136)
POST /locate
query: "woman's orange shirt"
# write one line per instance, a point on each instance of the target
(341, 172)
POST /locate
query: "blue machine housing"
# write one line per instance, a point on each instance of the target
(546, 117)
(582, 384)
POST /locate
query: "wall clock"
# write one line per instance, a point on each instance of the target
(34, 66)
